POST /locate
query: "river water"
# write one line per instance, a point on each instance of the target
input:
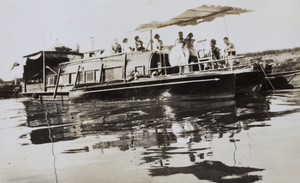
(253, 138)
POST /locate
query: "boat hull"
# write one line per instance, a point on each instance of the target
(249, 82)
(200, 86)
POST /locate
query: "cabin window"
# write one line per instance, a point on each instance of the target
(60, 80)
(97, 76)
(50, 80)
(89, 76)
(73, 78)
(66, 79)
(81, 77)
(113, 74)
(91, 54)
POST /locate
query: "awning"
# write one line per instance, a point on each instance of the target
(194, 16)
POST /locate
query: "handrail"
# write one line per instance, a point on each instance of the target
(224, 59)
(57, 83)
(91, 58)
(168, 67)
(124, 67)
(196, 63)
(113, 67)
(140, 66)
(76, 77)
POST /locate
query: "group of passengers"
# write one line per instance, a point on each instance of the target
(117, 48)
(228, 51)
(190, 53)
(183, 46)
(216, 52)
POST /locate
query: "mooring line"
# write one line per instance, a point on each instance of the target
(267, 77)
(52, 144)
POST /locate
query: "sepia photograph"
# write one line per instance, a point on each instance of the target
(149, 91)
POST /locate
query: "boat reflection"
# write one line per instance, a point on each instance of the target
(171, 136)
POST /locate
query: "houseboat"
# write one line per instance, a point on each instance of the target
(139, 74)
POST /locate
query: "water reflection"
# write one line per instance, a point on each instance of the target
(172, 137)
(214, 171)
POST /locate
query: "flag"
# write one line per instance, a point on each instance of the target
(16, 64)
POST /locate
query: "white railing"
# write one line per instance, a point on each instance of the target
(202, 62)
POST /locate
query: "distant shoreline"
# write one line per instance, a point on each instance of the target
(282, 59)
(269, 52)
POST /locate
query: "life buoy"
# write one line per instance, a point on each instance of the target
(35, 95)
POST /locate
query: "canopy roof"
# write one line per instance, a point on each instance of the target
(204, 13)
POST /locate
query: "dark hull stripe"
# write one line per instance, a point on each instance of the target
(151, 85)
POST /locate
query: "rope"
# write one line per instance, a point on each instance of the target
(226, 26)
(267, 77)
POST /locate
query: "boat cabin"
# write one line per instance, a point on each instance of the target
(44, 62)
(113, 68)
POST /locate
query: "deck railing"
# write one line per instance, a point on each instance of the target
(102, 75)
(202, 62)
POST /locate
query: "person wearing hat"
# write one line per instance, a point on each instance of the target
(216, 52)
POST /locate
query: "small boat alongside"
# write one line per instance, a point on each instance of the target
(282, 80)
(8, 90)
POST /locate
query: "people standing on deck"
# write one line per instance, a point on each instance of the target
(230, 51)
(157, 42)
(126, 47)
(215, 51)
(180, 38)
(179, 54)
(116, 47)
(189, 41)
(138, 44)
(230, 48)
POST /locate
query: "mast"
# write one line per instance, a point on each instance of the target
(226, 26)
(44, 68)
(151, 41)
(92, 38)
(44, 59)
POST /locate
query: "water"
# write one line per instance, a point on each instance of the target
(252, 138)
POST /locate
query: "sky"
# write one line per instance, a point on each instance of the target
(34, 25)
